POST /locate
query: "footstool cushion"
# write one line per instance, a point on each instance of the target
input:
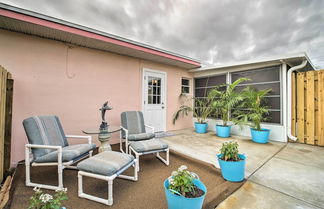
(105, 163)
(148, 145)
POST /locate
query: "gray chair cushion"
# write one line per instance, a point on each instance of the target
(68, 153)
(133, 121)
(148, 145)
(105, 163)
(44, 130)
(142, 136)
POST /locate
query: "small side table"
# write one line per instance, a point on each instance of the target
(103, 136)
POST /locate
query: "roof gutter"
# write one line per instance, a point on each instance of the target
(290, 71)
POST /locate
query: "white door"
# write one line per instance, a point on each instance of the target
(154, 99)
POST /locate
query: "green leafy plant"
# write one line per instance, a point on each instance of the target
(201, 111)
(181, 181)
(41, 200)
(230, 151)
(253, 110)
(225, 100)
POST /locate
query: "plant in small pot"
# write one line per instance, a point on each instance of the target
(201, 111)
(254, 112)
(41, 200)
(183, 189)
(232, 163)
(225, 100)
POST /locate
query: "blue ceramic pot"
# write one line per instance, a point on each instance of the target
(232, 170)
(223, 131)
(260, 136)
(180, 202)
(201, 128)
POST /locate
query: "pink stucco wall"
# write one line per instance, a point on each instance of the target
(72, 82)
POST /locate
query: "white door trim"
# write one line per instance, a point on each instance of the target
(165, 92)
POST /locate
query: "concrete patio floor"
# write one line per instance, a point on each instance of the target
(205, 147)
(279, 175)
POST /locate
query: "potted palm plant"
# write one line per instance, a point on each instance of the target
(254, 112)
(201, 111)
(183, 189)
(224, 102)
(232, 163)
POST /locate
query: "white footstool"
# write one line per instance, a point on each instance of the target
(151, 146)
(106, 166)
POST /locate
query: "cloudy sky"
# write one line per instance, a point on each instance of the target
(213, 31)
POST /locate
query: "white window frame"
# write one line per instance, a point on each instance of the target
(189, 85)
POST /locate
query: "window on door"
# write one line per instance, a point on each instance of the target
(154, 90)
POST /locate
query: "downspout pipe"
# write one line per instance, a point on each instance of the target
(290, 71)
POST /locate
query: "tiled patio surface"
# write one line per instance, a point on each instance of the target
(279, 175)
(205, 147)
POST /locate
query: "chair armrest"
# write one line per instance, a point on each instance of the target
(150, 127)
(28, 147)
(80, 137)
(39, 146)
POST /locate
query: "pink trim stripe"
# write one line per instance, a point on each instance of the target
(87, 34)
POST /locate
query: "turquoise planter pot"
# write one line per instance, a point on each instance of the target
(232, 170)
(260, 136)
(223, 131)
(201, 128)
(180, 202)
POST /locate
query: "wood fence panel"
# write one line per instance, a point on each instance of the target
(309, 107)
(293, 103)
(300, 107)
(3, 82)
(8, 124)
(320, 111)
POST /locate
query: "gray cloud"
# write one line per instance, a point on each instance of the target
(211, 31)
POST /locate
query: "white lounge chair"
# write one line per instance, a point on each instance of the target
(137, 140)
(48, 146)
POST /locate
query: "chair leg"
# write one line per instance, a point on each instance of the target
(44, 186)
(80, 185)
(109, 180)
(136, 171)
(60, 176)
(110, 192)
(121, 147)
(168, 156)
(126, 147)
(132, 178)
(28, 179)
(131, 150)
(165, 161)
(27, 166)
(137, 161)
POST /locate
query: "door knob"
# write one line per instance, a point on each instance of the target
(162, 107)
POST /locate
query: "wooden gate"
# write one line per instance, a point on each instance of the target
(6, 94)
(308, 107)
